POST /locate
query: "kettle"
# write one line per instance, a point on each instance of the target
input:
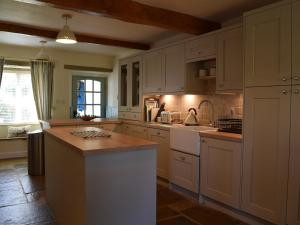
(191, 119)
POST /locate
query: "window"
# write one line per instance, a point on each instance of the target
(16, 98)
(89, 96)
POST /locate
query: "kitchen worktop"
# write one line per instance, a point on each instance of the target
(116, 143)
(78, 122)
(221, 135)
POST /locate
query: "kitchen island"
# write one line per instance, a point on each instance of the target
(100, 181)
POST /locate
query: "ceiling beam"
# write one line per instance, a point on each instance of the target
(134, 12)
(51, 34)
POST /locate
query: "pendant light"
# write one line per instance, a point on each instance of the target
(41, 54)
(66, 36)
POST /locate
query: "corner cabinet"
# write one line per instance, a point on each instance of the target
(268, 46)
(164, 70)
(220, 170)
(266, 152)
(230, 60)
(161, 137)
(130, 88)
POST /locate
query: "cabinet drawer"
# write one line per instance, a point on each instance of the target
(185, 171)
(109, 127)
(200, 48)
(158, 132)
(135, 116)
(136, 131)
(125, 115)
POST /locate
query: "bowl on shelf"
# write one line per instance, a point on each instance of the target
(87, 117)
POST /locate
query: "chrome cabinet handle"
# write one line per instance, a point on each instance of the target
(296, 78)
(284, 92)
(296, 91)
(284, 79)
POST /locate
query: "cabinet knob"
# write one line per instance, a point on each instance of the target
(296, 78)
(158, 133)
(203, 141)
(182, 158)
(296, 91)
(182, 88)
(159, 89)
(284, 92)
(284, 79)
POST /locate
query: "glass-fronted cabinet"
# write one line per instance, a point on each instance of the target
(130, 93)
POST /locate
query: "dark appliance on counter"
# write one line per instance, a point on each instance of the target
(230, 125)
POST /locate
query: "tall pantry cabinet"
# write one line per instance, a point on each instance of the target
(271, 172)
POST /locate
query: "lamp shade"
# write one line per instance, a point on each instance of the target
(66, 36)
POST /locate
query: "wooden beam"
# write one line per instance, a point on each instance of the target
(87, 68)
(134, 12)
(51, 34)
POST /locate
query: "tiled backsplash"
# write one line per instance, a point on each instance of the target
(213, 107)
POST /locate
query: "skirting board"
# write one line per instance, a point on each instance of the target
(12, 155)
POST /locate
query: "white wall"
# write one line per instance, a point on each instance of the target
(62, 77)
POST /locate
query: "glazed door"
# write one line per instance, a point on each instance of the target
(124, 86)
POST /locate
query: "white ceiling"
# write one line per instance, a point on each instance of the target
(48, 17)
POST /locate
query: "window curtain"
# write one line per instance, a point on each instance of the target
(1, 69)
(42, 85)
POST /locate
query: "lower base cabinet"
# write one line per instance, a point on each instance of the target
(220, 170)
(162, 137)
(185, 170)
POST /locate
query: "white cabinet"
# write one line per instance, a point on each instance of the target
(161, 137)
(164, 70)
(266, 152)
(268, 46)
(154, 80)
(201, 48)
(230, 60)
(293, 212)
(174, 68)
(220, 170)
(296, 42)
(135, 131)
(130, 88)
(185, 170)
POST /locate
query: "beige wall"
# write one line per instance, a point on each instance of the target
(62, 77)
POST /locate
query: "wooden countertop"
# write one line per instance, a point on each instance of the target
(77, 122)
(222, 135)
(116, 143)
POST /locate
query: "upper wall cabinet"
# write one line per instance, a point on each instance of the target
(201, 48)
(164, 70)
(230, 60)
(268, 46)
(296, 42)
(153, 72)
(130, 77)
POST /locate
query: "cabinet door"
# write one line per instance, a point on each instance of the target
(266, 152)
(174, 68)
(220, 173)
(201, 48)
(136, 87)
(185, 171)
(293, 217)
(124, 80)
(230, 60)
(268, 47)
(153, 77)
(296, 42)
(163, 139)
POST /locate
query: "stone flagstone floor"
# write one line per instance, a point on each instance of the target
(22, 201)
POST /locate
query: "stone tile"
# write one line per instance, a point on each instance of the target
(13, 185)
(182, 205)
(177, 221)
(207, 216)
(36, 196)
(164, 213)
(11, 197)
(166, 197)
(21, 172)
(32, 184)
(28, 213)
(7, 175)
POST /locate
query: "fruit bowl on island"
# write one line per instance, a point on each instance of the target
(87, 117)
